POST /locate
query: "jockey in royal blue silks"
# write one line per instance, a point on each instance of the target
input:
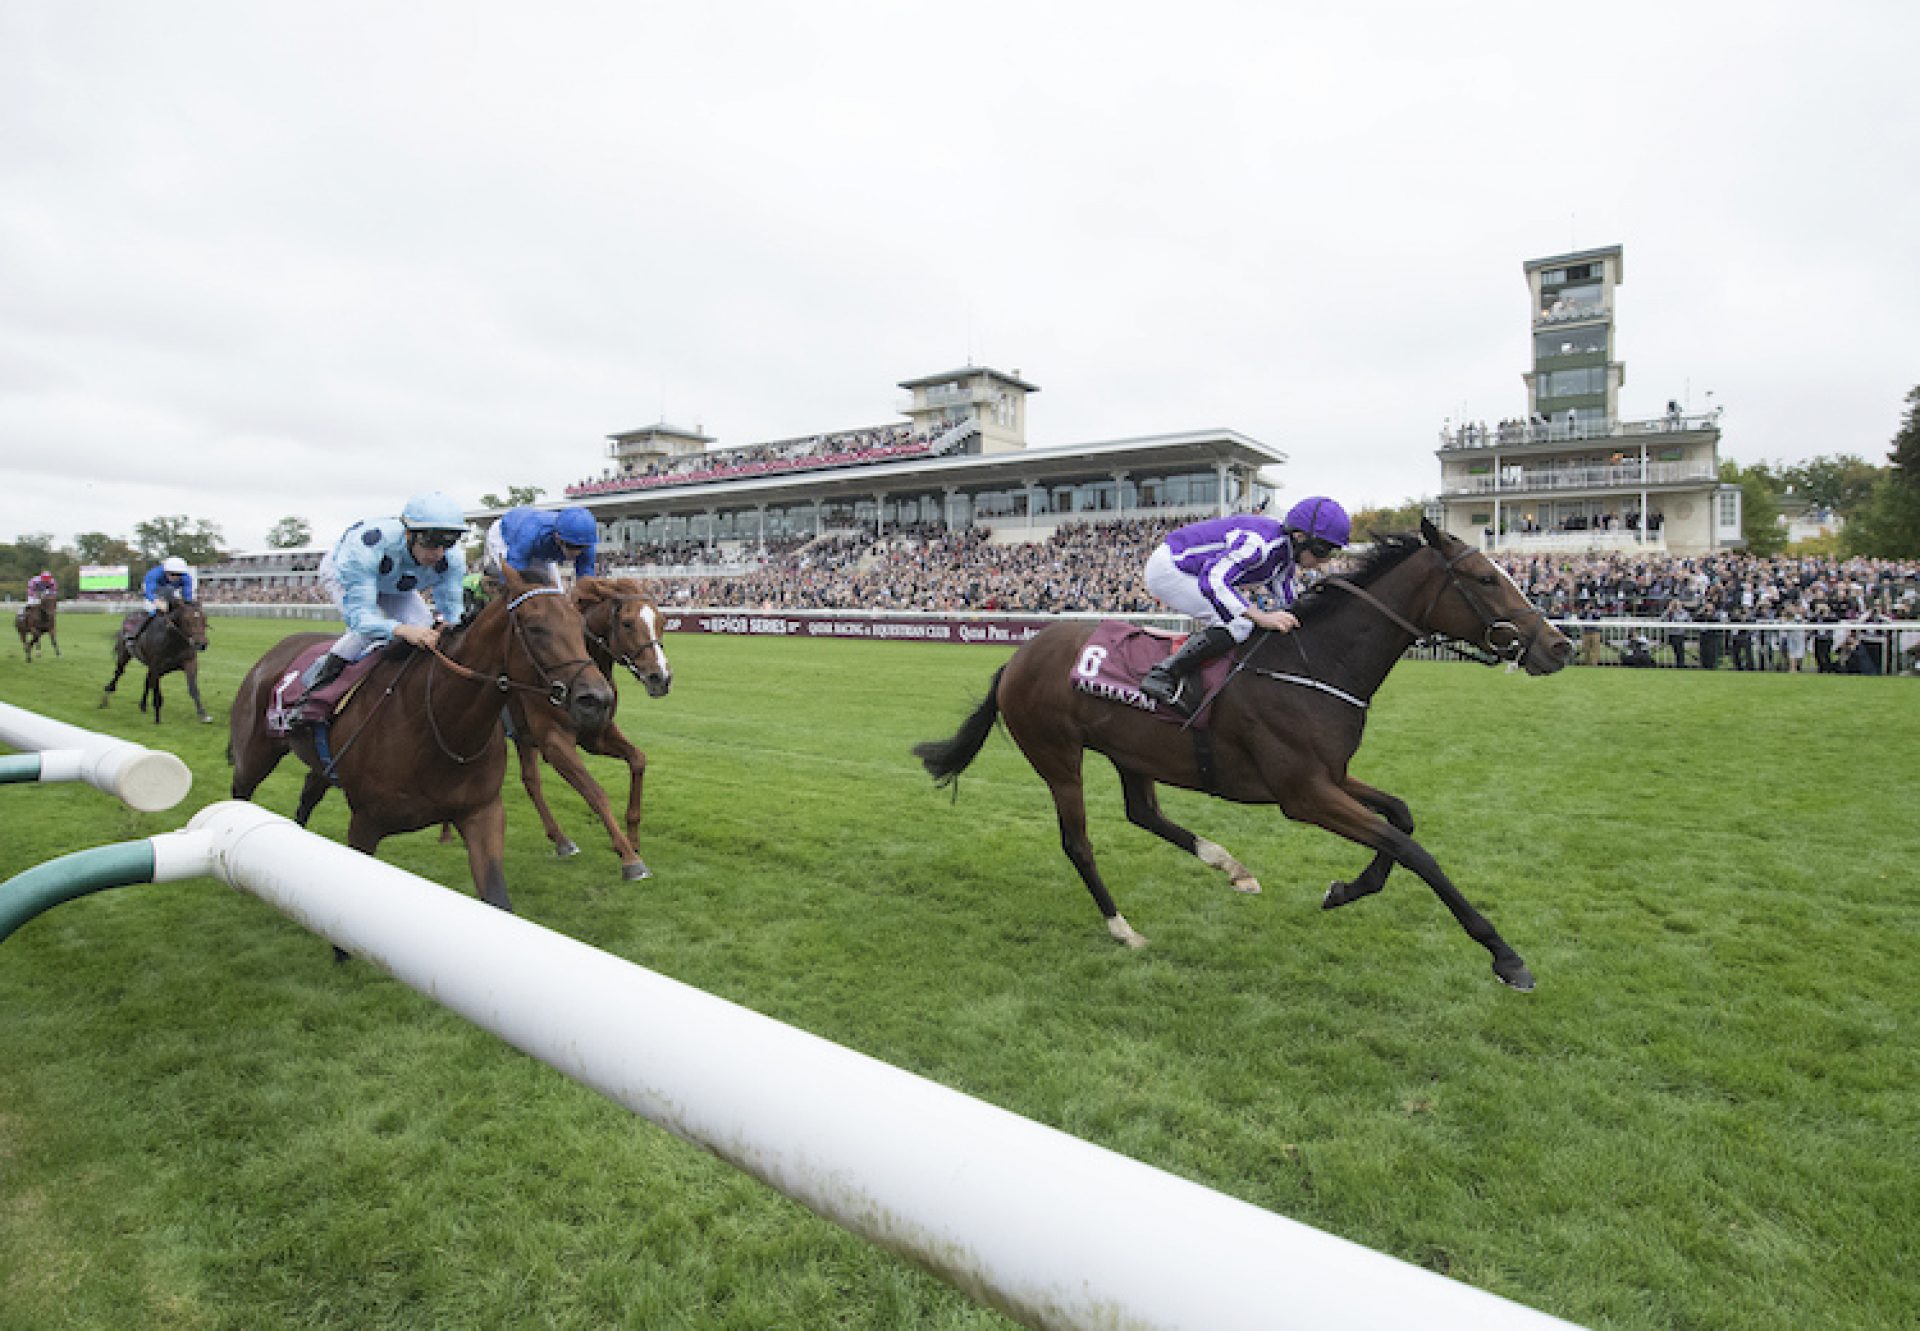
(376, 574)
(1200, 569)
(536, 542)
(165, 580)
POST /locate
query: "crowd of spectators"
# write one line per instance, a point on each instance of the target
(842, 449)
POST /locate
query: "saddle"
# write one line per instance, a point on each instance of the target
(1119, 654)
(284, 708)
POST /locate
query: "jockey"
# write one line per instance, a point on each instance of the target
(376, 573)
(537, 541)
(42, 587)
(166, 580)
(1199, 569)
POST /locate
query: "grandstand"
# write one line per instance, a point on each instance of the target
(959, 462)
(266, 576)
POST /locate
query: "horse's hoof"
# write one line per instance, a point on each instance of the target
(564, 849)
(205, 720)
(1250, 886)
(1336, 895)
(1123, 932)
(634, 872)
(1513, 972)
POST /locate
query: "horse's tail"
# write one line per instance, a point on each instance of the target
(945, 759)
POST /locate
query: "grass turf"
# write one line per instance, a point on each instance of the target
(1706, 1117)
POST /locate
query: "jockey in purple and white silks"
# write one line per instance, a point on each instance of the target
(1200, 569)
(42, 586)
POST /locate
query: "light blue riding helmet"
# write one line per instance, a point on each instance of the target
(576, 527)
(433, 511)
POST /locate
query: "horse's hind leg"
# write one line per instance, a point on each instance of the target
(1374, 877)
(312, 791)
(1143, 810)
(192, 671)
(1327, 805)
(1062, 775)
(151, 686)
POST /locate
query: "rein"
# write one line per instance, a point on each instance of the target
(606, 645)
(556, 691)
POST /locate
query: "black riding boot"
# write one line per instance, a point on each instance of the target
(321, 673)
(1167, 681)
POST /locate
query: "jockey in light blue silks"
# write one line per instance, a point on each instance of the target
(1199, 570)
(536, 542)
(376, 574)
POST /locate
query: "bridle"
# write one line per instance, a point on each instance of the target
(606, 643)
(556, 691)
(1501, 641)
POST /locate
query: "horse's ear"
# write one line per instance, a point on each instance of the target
(590, 591)
(510, 578)
(1431, 534)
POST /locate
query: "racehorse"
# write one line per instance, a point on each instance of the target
(622, 628)
(419, 742)
(168, 641)
(1285, 724)
(35, 622)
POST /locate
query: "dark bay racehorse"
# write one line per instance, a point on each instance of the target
(1285, 725)
(623, 628)
(168, 641)
(37, 621)
(419, 742)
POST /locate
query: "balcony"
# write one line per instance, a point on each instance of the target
(1619, 476)
(1543, 431)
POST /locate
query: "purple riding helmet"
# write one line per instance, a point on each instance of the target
(1319, 518)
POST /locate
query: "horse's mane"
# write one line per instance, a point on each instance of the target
(591, 591)
(1389, 551)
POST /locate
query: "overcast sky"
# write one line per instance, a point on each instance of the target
(267, 259)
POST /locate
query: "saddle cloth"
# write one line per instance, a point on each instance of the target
(1119, 654)
(283, 713)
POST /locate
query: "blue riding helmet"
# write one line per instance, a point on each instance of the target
(1317, 517)
(575, 527)
(432, 511)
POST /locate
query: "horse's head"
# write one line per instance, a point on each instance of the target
(630, 625)
(1476, 602)
(189, 621)
(549, 649)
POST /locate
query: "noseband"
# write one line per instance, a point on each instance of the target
(557, 691)
(1501, 642)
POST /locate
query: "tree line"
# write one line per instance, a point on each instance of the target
(196, 540)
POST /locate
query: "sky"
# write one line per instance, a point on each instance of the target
(269, 260)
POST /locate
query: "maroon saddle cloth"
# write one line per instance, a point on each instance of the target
(1119, 654)
(282, 711)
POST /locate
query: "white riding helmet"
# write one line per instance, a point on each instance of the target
(173, 564)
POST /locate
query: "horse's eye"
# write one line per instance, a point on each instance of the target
(1486, 579)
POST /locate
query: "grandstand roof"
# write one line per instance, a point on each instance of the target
(661, 427)
(966, 371)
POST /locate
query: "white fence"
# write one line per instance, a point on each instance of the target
(148, 780)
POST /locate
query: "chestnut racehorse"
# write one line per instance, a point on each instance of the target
(623, 628)
(38, 621)
(168, 641)
(1284, 726)
(419, 741)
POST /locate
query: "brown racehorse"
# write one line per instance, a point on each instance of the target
(419, 741)
(1285, 725)
(168, 641)
(38, 621)
(622, 628)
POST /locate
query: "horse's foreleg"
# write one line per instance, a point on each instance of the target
(558, 749)
(485, 832)
(192, 671)
(529, 755)
(1329, 806)
(54, 638)
(610, 743)
(1374, 877)
(312, 791)
(152, 685)
(120, 659)
(364, 836)
(1143, 810)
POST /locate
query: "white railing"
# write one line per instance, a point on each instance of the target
(1546, 542)
(1564, 431)
(147, 780)
(1615, 476)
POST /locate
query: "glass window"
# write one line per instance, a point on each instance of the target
(1570, 342)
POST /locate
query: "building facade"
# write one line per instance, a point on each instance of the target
(960, 459)
(1573, 474)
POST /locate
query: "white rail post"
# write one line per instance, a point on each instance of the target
(147, 780)
(1051, 1230)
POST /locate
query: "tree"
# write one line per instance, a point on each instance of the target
(96, 547)
(1402, 517)
(516, 496)
(197, 541)
(1889, 525)
(289, 533)
(1759, 506)
(1843, 483)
